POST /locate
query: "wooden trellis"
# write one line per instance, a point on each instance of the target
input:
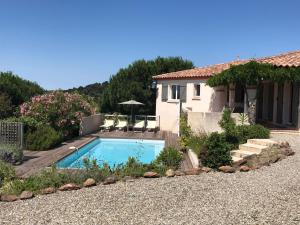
(11, 133)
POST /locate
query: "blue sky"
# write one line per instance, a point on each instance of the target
(62, 44)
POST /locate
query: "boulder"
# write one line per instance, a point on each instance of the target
(69, 187)
(179, 173)
(151, 174)
(49, 190)
(26, 195)
(110, 180)
(244, 168)
(227, 169)
(195, 171)
(89, 182)
(284, 144)
(287, 151)
(170, 173)
(206, 169)
(8, 198)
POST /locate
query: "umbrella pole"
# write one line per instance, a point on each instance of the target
(132, 114)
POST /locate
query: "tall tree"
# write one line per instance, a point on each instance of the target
(15, 90)
(135, 82)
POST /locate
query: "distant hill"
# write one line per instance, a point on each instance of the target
(95, 91)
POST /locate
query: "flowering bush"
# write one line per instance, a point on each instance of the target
(61, 110)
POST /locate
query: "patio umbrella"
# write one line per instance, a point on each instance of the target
(132, 103)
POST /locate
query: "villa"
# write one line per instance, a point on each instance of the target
(277, 103)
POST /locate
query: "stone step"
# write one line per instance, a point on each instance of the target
(236, 159)
(254, 148)
(241, 153)
(264, 142)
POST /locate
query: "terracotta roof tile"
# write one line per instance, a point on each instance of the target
(286, 59)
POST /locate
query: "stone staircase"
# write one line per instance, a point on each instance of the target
(252, 147)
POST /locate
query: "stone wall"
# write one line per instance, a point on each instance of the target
(91, 124)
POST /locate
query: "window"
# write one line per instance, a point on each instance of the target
(197, 88)
(175, 92)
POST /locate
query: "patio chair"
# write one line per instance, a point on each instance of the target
(108, 124)
(151, 125)
(122, 123)
(139, 125)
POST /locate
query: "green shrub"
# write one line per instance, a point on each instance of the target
(246, 132)
(132, 168)
(216, 152)
(7, 172)
(11, 153)
(93, 170)
(185, 131)
(30, 124)
(227, 122)
(196, 143)
(169, 157)
(43, 138)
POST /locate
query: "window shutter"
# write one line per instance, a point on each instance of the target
(183, 93)
(164, 94)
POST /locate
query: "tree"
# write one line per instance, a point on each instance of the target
(6, 107)
(93, 92)
(15, 90)
(135, 82)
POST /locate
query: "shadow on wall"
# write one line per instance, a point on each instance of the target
(217, 100)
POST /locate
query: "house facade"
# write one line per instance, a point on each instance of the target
(277, 104)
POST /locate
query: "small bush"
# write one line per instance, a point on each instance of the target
(185, 131)
(169, 157)
(7, 172)
(196, 143)
(132, 168)
(216, 152)
(11, 153)
(44, 138)
(246, 132)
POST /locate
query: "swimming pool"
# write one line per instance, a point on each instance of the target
(113, 151)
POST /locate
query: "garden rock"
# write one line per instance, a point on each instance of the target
(69, 187)
(8, 198)
(26, 195)
(195, 171)
(170, 173)
(239, 163)
(227, 169)
(179, 173)
(110, 180)
(206, 169)
(49, 190)
(244, 168)
(128, 179)
(151, 174)
(89, 182)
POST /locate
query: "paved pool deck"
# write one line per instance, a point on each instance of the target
(35, 161)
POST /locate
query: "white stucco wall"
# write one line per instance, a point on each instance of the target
(210, 100)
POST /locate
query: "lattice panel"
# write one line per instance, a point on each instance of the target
(11, 133)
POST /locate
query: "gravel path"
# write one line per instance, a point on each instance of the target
(270, 195)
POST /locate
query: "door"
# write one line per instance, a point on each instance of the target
(279, 103)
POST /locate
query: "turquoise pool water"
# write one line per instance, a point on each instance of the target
(113, 152)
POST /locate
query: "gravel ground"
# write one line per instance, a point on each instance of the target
(270, 195)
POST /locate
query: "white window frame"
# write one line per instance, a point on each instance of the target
(170, 94)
